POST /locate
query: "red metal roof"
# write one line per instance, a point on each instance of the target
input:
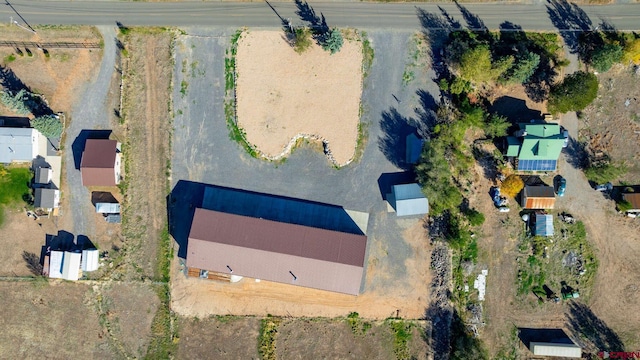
(538, 197)
(276, 251)
(98, 161)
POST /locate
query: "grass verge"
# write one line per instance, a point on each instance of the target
(402, 332)
(267, 337)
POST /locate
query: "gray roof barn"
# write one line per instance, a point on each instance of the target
(18, 144)
(108, 208)
(410, 200)
(47, 198)
(43, 175)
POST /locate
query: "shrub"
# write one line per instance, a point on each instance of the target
(334, 41)
(302, 40)
(632, 52)
(475, 217)
(524, 69)
(605, 56)
(574, 94)
(512, 185)
(48, 125)
(624, 205)
(459, 86)
(601, 174)
(496, 126)
(18, 102)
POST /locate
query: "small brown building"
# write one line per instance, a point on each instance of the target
(538, 197)
(634, 200)
(230, 244)
(100, 164)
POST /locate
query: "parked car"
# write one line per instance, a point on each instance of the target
(562, 187)
(565, 135)
(604, 187)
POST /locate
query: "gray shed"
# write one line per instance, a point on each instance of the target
(410, 200)
(108, 208)
(544, 225)
(43, 175)
(47, 198)
(113, 218)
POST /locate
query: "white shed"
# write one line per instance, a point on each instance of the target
(55, 264)
(90, 260)
(108, 208)
(71, 265)
(569, 350)
(410, 200)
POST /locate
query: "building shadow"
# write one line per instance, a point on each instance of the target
(386, 181)
(102, 197)
(557, 336)
(15, 121)
(514, 109)
(83, 243)
(584, 324)
(186, 196)
(78, 144)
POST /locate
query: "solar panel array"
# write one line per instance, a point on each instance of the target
(537, 165)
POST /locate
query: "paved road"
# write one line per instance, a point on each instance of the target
(362, 15)
(91, 112)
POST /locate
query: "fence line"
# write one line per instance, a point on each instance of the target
(45, 45)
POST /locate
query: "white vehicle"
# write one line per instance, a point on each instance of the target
(503, 209)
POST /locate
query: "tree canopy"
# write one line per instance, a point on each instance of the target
(575, 93)
(48, 125)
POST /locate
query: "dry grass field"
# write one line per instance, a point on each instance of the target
(282, 95)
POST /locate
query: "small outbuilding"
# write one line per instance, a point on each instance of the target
(538, 197)
(566, 350)
(414, 148)
(55, 264)
(71, 265)
(108, 208)
(100, 164)
(113, 218)
(90, 260)
(410, 200)
(634, 200)
(43, 176)
(543, 225)
(46, 198)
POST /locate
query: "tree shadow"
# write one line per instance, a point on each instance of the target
(33, 262)
(318, 24)
(393, 142)
(514, 109)
(10, 81)
(570, 20)
(474, 23)
(436, 29)
(576, 154)
(583, 323)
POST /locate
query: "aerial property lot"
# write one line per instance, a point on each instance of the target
(396, 272)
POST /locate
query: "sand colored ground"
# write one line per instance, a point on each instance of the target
(198, 297)
(281, 94)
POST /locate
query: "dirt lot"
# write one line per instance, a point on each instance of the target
(196, 297)
(321, 99)
(146, 114)
(295, 339)
(59, 76)
(613, 127)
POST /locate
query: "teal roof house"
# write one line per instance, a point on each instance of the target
(536, 146)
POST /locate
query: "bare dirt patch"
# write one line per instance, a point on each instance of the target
(281, 94)
(44, 321)
(148, 71)
(59, 76)
(382, 298)
(224, 337)
(612, 122)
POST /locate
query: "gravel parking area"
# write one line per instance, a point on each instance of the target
(203, 152)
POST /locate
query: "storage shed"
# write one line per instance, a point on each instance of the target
(108, 208)
(634, 200)
(569, 350)
(410, 200)
(90, 260)
(538, 197)
(46, 198)
(55, 264)
(543, 225)
(71, 265)
(43, 175)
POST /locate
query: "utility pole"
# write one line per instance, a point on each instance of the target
(28, 27)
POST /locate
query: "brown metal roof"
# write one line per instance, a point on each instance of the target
(271, 250)
(634, 199)
(538, 197)
(98, 161)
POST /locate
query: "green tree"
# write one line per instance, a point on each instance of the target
(523, 69)
(434, 176)
(477, 65)
(603, 57)
(496, 126)
(302, 40)
(334, 41)
(574, 94)
(48, 125)
(19, 102)
(459, 86)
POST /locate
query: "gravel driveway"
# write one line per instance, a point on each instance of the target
(90, 112)
(203, 152)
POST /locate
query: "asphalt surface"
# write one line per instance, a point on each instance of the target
(204, 153)
(363, 15)
(90, 113)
